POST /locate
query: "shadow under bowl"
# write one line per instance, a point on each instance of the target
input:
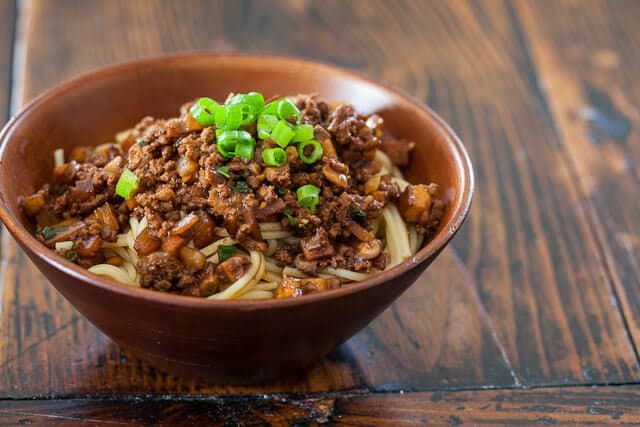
(230, 341)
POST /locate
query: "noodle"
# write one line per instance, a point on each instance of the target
(58, 157)
(270, 226)
(396, 235)
(257, 294)
(268, 235)
(113, 272)
(213, 247)
(272, 277)
(62, 246)
(267, 286)
(346, 274)
(272, 247)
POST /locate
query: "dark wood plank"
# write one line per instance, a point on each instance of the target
(7, 28)
(561, 406)
(588, 57)
(538, 274)
(527, 244)
(451, 344)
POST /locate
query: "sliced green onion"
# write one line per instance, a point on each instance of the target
(303, 133)
(266, 123)
(234, 116)
(245, 148)
(287, 109)
(248, 114)
(274, 156)
(127, 185)
(228, 143)
(240, 187)
(308, 196)
(282, 133)
(358, 215)
(224, 171)
(271, 108)
(254, 99)
(225, 252)
(142, 142)
(204, 111)
(283, 108)
(229, 117)
(50, 232)
(293, 221)
(315, 154)
(281, 191)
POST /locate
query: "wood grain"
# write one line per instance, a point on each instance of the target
(521, 298)
(528, 244)
(7, 21)
(563, 406)
(588, 58)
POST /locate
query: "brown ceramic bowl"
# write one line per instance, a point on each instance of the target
(235, 341)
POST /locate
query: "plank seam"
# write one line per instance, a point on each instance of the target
(284, 397)
(473, 288)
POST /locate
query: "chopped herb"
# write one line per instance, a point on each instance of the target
(240, 187)
(224, 171)
(225, 252)
(293, 221)
(61, 189)
(48, 233)
(281, 191)
(358, 215)
(70, 254)
(142, 142)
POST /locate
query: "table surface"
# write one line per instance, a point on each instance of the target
(531, 314)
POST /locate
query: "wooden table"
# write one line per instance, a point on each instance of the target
(531, 314)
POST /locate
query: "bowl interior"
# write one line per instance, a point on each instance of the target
(91, 109)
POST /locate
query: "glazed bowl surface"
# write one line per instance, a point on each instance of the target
(232, 341)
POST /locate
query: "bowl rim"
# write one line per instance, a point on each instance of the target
(22, 235)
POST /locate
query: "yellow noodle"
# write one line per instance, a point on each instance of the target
(396, 234)
(282, 234)
(267, 286)
(346, 274)
(272, 247)
(256, 295)
(402, 184)
(413, 238)
(272, 267)
(121, 241)
(293, 272)
(270, 226)
(131, 271)
(272, 277)
(213, 247)
(111, 271)
(384, 160)
(58, 157)
(66, 245)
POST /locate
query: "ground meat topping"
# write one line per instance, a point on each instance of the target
(190, 195)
